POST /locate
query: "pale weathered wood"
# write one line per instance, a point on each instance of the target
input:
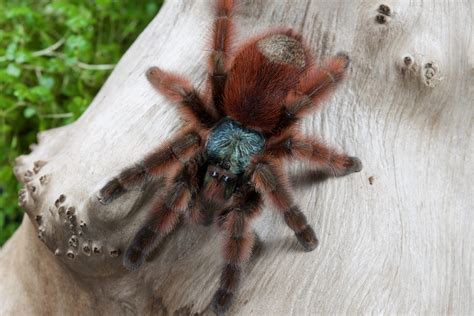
(402, 244)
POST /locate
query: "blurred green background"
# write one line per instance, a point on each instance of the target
(54, 57)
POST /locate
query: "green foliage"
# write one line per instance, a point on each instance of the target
(54, 57)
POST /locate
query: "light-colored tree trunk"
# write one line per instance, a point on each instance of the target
(394, 238)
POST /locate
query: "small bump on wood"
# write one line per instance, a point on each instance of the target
(73, 241)
(86, 249)
(114, 253)
(37, 165)
(61, 210)
(70, 254)
(380, 19)
(43, 179)
(70, 211)
(96, 249)
(31, 188)
(384, 10)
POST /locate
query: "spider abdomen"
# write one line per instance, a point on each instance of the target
(264, 71)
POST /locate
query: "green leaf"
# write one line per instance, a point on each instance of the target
(151, 8)
(13, 70)
(47, 81)
(14, 142)
(41, 93)
(77, 43)
(11, 50)
(29, 112)
(22, 57)
(82, 20)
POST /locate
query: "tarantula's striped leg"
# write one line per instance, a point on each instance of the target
(178, 90)
(165, 213)
(272, 182)
(239, 239)
(185, 144)
(331, 162)
(315, 85)
(222, 36)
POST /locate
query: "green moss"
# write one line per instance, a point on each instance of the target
(54, 57)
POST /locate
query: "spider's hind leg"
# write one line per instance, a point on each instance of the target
(270, 181)
(178, 90)
(239, 241)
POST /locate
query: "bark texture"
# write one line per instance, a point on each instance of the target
(394, 238)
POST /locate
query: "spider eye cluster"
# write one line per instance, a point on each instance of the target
(216, 175)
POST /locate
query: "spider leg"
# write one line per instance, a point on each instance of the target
(182, 145)
(222, 37)
(239, 239)
(165, 214)
(316, 84)
(180, 91)
(331, 162)
(270, 181)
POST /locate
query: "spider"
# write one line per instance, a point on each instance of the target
(229, 155)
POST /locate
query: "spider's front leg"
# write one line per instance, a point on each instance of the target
(222, 37)
(239, 240)
(269, 180)
(178, 90)
(165, 213)
(328, 160)
(152, 165)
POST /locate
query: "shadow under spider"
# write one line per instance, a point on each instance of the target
(161, 242)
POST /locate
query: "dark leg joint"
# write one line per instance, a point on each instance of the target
(188, 141)
(295, 219)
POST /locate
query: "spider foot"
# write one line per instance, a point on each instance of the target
(222, 301)
(307, 239)
(344, 55)
(155, 75)
(353, 165)
(112, 190)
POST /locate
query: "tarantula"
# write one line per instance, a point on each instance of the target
(229, 154)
